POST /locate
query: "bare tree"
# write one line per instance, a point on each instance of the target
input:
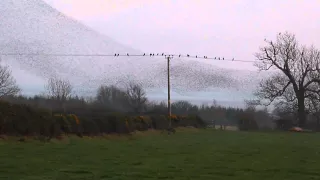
(111, 97)
(136, 97)
(261, 115)
(59, 90)
(251, 104)
(214, 103)
(313, 105)
(183, 107)
(8, 84)
(298, 71)
(155, 107)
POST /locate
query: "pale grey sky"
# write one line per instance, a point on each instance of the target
(225, 28)
(229, 28)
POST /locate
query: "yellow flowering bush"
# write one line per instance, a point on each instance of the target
(141, 123)
(75, 118)
(174, 117)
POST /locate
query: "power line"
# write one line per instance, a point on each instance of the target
(128, 55)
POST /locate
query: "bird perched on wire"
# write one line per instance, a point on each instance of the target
(218, 58)
(188, 55)
(162, 54)
(127, 54)
(144, 54)
(222, 58)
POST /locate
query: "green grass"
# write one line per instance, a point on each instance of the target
(199, 155)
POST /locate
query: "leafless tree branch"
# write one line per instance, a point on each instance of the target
(8, 84)
(136, 97)
(299, 76)
(59, 89)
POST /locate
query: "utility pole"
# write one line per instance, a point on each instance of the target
(169, 103)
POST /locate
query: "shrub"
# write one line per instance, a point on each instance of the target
(75, 124)
(89, 127)
(159, 122)
(141, 123)
(118, 123)
(191, 120)
(55, 130)
(63, 123)
(102, 124)
(24, 120)
(175, 120)
(247, 122)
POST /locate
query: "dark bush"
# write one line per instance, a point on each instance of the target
(75, 123)
(141, 123)
(89, 127)
(118, 123)
(18, 119)
(63, 123)
(247, 122)
(24, 120)
(159, 122)
(102, 124)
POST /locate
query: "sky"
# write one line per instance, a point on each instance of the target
(228, 28)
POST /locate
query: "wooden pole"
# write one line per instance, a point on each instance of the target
(169, 103)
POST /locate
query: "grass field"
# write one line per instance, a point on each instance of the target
(195, 155)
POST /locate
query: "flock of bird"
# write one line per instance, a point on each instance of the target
(89, 71)
(172, 55)
(127, 54)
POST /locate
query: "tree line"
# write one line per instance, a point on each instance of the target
(111, 110)
(292, 89)
(131, 100)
